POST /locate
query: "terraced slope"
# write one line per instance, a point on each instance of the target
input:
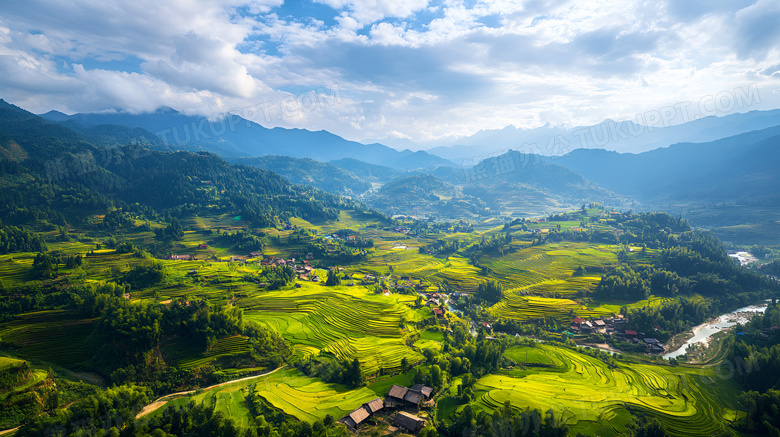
(348, 322)
(596, 398)
(296, 394)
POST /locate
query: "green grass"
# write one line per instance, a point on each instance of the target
(296, 394)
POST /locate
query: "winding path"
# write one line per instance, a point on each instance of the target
(164, 400)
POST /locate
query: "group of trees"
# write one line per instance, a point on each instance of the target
(276, 277)
(332, 370)
(173, 232)
(241, 241)
(144, 275)
(490, 291)
(753, 360)
(697, 264)
(638, 282)
(505, 421)
(13, 239)
(126, 334)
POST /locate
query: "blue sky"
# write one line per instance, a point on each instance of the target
(404, 69)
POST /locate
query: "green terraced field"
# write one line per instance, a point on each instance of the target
(191, 358)
(54, 336)
(595, 398)
(539, 282)
(348, 322)
(296, 394)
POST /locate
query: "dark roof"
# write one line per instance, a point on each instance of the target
(409, 421)
(413, 396)
(424, 389)
(651, 341)
(398, 392)
(374, 406)
(359, 415)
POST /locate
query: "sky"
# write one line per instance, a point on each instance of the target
(413, 70)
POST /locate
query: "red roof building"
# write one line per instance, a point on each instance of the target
(631, 333)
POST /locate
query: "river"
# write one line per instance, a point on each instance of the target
(703, 332)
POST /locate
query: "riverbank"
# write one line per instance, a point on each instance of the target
(701, 333)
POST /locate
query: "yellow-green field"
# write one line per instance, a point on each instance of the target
(296, 394)
(346, 321)
(595, 398)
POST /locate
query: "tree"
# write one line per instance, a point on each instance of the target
(404, 366)
(43, 266)
(490, 291)
(333, 277)
(436, 376)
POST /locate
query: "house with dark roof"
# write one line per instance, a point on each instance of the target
(413, 397)
(395, 398)
(424, 389)
(374, 406)
(355, 418)
(409, 422)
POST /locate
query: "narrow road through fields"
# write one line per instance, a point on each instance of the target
(164, 400)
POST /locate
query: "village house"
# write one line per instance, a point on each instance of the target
(424, 389)
(395, 397)
(355, 418)
(374, 406)
(410, 422)
(654, 346)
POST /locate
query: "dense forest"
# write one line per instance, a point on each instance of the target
(58, 176)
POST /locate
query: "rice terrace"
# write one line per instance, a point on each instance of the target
(319, 330)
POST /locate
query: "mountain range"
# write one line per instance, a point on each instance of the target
(232, 136)
(740, 168)
(619, 136)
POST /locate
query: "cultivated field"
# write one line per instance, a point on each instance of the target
(595, 398)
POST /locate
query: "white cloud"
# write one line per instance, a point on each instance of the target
(406, 68)
(369, 11)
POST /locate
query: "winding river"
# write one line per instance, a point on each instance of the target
(703, 332)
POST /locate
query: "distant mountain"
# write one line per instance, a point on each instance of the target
(364, 170)
(506, 176)
(51, 174)
(624, 137)
(513, 183)
(307, 171)
(233, 136)
(418, 186)
(743, 167)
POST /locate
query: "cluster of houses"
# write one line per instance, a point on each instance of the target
(397, 398)
(304, 271)
(615, 327)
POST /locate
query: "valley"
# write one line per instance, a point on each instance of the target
(175, 287)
